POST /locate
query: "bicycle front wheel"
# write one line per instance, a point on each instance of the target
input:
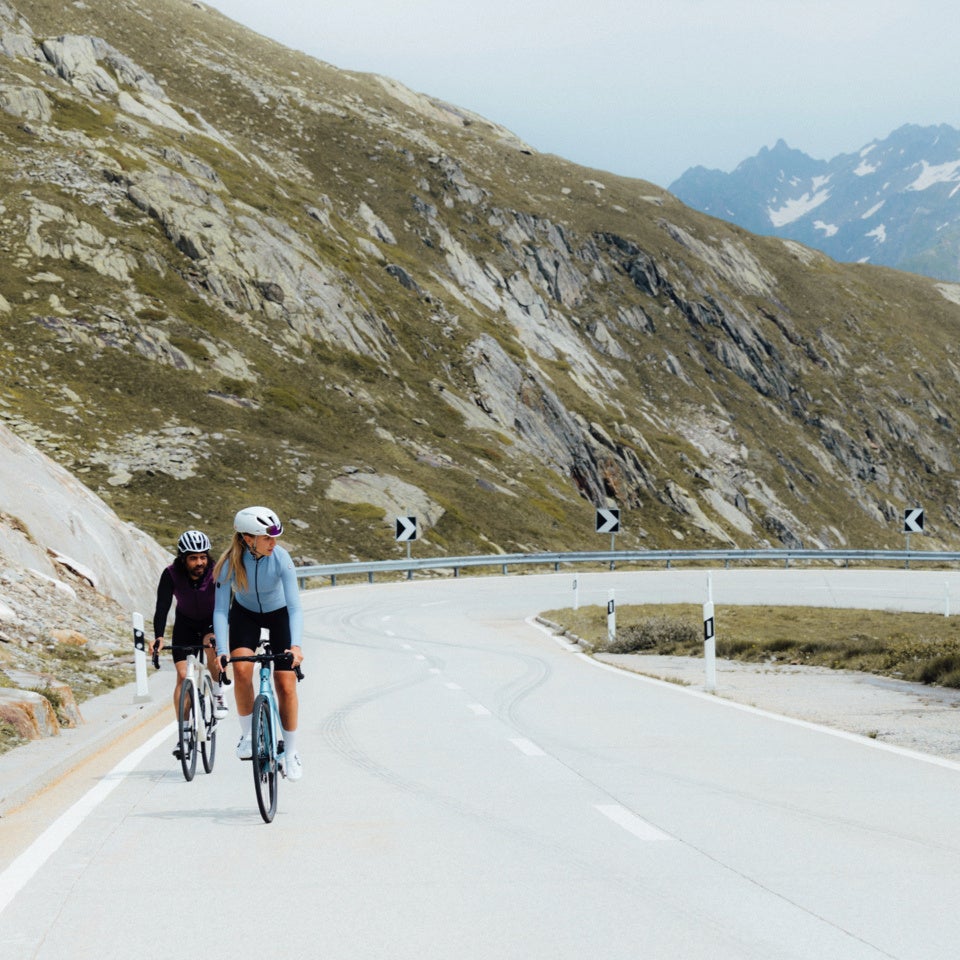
(187, 717)
(264, 758)
(208, 748)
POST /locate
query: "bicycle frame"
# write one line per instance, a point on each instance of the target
(267, 759)
(196, 722)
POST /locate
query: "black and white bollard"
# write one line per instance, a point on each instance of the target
(611, 619)
(709, 640)
(140, 659)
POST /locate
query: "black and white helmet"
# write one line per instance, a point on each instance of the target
(260, 521)
(193, 541)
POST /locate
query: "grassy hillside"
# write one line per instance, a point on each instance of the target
(235, 274)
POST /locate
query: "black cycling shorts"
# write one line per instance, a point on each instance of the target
(187, 637)
(245, 626)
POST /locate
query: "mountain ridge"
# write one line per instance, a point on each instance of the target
(894, 202)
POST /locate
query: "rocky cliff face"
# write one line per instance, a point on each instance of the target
(71, 574)
(231, 274)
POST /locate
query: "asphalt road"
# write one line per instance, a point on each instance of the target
(475, 788)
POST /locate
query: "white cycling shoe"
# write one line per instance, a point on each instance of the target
(292, 767)
(245, 749)
(220, 708)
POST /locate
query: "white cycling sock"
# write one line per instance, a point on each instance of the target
(289, 740)
(246, 725)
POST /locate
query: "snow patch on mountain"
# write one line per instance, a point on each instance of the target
(797, 208)
(935, 173)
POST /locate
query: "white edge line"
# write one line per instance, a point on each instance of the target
(20, 871)
(746, 708)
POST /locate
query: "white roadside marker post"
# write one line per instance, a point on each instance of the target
(709, 639)
(140, 659)
(611, 619)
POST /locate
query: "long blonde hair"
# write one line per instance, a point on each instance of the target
(233, 555)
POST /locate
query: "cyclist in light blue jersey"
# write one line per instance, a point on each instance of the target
(257, 587)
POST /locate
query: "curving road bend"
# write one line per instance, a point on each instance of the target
(475, 788)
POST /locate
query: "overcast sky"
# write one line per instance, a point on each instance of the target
(648, 89)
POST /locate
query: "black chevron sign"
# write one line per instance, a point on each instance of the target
(608, 520)
(406, 528)
(913, 520)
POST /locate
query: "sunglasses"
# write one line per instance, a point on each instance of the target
(274, 530)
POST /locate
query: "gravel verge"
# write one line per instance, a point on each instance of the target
(910, 715)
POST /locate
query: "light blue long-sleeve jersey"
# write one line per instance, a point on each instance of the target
(271, 584)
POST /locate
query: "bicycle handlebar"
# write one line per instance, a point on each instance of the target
(193, 648)
(266, 658)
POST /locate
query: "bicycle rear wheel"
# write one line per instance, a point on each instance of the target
(188, 729)
(208, 748)
(264, 758)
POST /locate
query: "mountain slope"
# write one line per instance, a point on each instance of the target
(232, 274)
(895, 202)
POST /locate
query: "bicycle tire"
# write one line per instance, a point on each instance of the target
(264, 758)
(208, 748)
(187, 718)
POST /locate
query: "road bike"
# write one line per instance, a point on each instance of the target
(196, 719)
(265, 731)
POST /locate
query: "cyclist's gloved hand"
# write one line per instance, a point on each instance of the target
(224, 679)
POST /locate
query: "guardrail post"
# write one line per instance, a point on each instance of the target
(333, 579)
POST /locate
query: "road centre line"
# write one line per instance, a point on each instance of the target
(527, 747)
(20, 871)
(479, 709)
(630, 822)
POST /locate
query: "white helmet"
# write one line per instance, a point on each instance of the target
(193, 541)
(260, 521)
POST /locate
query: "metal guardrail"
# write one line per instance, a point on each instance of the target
(613, 558)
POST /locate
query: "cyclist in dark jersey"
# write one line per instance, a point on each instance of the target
(189, 581)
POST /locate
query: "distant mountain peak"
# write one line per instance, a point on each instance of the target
(894, 202)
